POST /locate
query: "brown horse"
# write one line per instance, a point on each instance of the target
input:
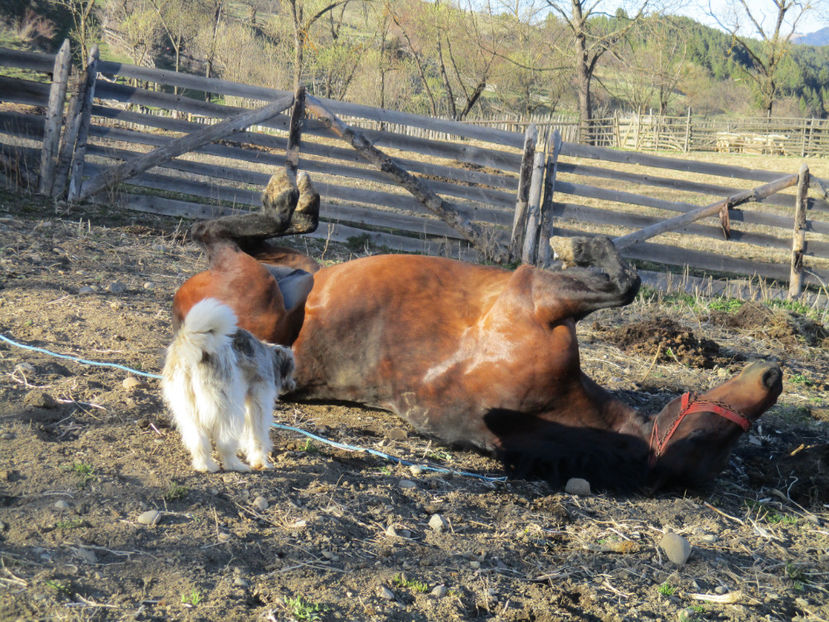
(480, 356)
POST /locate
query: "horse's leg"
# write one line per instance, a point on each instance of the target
(289, 207)
(600, 279)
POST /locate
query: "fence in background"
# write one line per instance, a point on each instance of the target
(588, 190)
(802, 137)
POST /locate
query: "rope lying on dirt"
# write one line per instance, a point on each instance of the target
(321, 439)
(79, 360)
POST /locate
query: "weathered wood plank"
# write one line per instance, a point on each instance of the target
(256, 179)
(36, 61)
(22, 125)
(295, 131)
(677, 222)
(459, 174)
(76, 173)
(799, 233)
(337, 107)
(463, 152)
(547, 214)
(182, 145)
(19, 91)
(525, 173)
(54, 115)
(483, 240)
(530, 251)
(677, 164)
(681, 185)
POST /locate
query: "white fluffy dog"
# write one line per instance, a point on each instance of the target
(220, 383)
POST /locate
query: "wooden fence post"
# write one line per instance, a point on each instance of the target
(799, 233)
(295, 131)
(530, 250)
(524, 179)
(85, 114)
(687, 146)
(54, 116)
(545, 252)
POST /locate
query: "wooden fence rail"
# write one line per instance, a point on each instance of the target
(567, 188)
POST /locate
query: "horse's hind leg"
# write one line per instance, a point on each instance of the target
(600, 279)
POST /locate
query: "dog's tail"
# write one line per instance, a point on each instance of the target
(208, 326)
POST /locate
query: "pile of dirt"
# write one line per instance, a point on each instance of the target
(662, 339)
(780, 324)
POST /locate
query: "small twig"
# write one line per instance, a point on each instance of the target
(723, 599)
(721, 513)
(653, 362)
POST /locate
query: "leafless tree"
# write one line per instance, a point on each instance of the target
(592, 37)
(774, 22)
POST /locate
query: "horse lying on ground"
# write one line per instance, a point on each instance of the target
(477, 356)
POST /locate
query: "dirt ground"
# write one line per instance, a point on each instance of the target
(101, 517)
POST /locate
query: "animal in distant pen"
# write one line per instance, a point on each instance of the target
(220, 383)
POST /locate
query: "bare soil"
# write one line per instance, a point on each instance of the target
(332, 534)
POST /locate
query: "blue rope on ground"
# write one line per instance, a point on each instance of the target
(321, 439)
(79, 360)
(389, 457)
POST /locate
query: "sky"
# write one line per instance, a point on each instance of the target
(764, 10)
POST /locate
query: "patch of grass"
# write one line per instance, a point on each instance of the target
(309, 447)
(800, 379)
(798, 307)
(175, 492)
(300, 609)
(384, 470)
(69, 523)
(439, 456)
(193, 598)
(64, 589)
(770, 515)
(85, 472)
(796, 575)
(729, 305)
(412, 584)
(666, 589)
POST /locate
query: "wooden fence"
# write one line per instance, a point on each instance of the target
(803, 137)
(482, 172)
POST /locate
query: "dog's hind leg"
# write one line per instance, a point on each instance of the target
(226, 448)
(197, 442)
(256, 439)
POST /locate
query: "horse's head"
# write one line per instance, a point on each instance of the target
(693, 435)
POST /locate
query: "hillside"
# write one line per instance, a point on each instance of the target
(432, 58)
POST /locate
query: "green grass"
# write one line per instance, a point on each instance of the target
(300, 609)
(412, 584)
(769, 515)
(69, 523)
(800, 379)
(666, 589)
(84, 472)
(175, 492)
(193, 598)
(729, 305)
(64, 589)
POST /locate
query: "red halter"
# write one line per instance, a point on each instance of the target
(691, 405)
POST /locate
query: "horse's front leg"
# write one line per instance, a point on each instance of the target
(289, 206)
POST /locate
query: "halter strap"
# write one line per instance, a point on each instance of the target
(690, 405)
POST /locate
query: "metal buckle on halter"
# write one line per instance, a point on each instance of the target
(690, 405)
